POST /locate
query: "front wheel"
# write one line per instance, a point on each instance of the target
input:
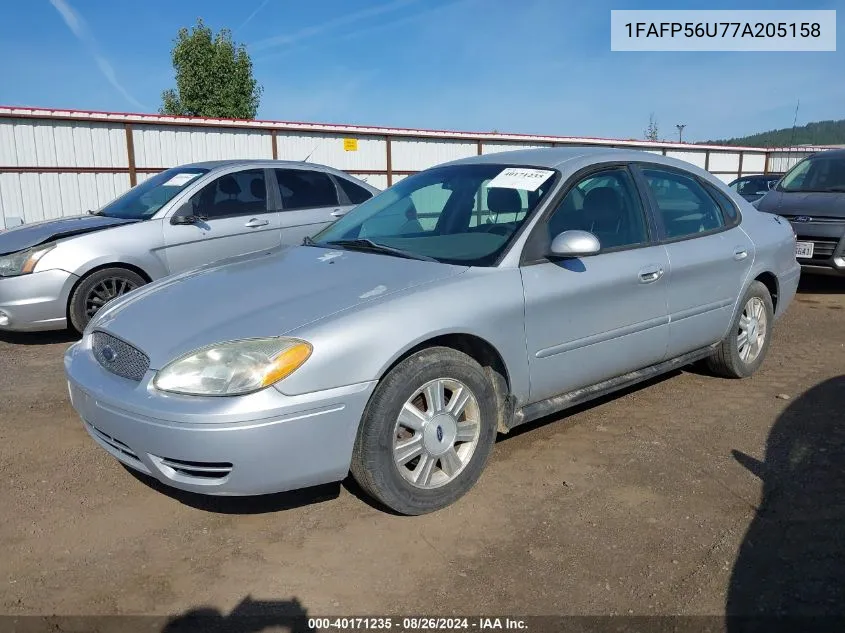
(743, 350)
(96, 290)
(427, 432)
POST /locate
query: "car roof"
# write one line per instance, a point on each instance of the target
(216, 164)
(569, 160)
(558, 157)
(270, 163)
(830, 153)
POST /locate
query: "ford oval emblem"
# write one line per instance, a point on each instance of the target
(439, 433)
(802, 218)
(108, 353)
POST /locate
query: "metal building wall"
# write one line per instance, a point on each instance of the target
(57, 163)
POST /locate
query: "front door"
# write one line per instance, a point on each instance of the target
(233, 219)
(593, 318)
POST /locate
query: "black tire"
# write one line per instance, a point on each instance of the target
(373, 465)
(89, 293)
(726, 360)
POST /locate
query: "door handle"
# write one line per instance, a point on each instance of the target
(338, 213)
(650, 274)
(740, 253)
(255, 222)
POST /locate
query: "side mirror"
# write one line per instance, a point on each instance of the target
(185, 215)
(574, 244)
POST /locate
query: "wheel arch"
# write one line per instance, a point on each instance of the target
(770, 280)
(477, 348)
(82, 277)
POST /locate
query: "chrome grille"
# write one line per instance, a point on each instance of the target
(119, 357)
(822, 248)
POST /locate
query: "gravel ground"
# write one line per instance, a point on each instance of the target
(688, 495)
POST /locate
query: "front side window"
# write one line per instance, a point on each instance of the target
(816, 174)
(685, 208)
(238, 193)
(146, 199)
(607, 205)
(456, 214)
(306, 189)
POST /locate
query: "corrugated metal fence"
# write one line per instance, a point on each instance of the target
(57, 163)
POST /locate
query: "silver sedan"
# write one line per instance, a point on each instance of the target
(61, 272)
(464, 301)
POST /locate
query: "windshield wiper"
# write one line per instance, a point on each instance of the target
(836, 188)
(369, 245)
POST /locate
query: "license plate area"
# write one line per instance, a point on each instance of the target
(804, 250)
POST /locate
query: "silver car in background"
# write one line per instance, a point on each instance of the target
(464, 300)
(61, 272)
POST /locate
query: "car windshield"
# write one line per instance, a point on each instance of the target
(463, 214)
(143, 201)
(816, 173)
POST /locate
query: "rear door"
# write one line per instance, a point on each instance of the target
(592, 318)
(308, 201)
(710, 256)
(235, 219)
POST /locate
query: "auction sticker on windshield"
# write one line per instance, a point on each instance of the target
(179, 180)
(520, 178)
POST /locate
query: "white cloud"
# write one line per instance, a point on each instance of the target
(79, 28)
(252, 15)
(328, 25)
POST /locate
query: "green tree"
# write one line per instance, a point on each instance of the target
(213, 76)
(651, 132)
(816, 133)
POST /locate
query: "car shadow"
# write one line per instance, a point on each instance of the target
(249, 616)
(821, 284)
(258, 504)
(39, 338)
(791, 563)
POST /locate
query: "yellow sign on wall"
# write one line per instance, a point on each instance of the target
(350, 145)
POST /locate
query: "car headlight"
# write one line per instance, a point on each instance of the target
(233, 368)
(22, 262)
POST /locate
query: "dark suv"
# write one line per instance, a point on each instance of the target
(812, 197)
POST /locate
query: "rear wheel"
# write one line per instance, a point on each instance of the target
(743, 350)
(96, 290)
(427, 432)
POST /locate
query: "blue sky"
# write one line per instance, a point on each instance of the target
(533, 66)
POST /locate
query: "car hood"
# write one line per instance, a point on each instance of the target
(812, 204)
(28, 235)
(264, 294)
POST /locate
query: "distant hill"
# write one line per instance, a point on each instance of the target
(818, 133)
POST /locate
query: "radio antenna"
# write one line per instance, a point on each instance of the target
(309, 155)
(792, 137)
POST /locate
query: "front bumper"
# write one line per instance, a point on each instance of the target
(260, 443)
(828, 237)
(37, 301)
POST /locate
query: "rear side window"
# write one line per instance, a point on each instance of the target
(304, 189)
(684, 206)
(729, 210)
(355, 193)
